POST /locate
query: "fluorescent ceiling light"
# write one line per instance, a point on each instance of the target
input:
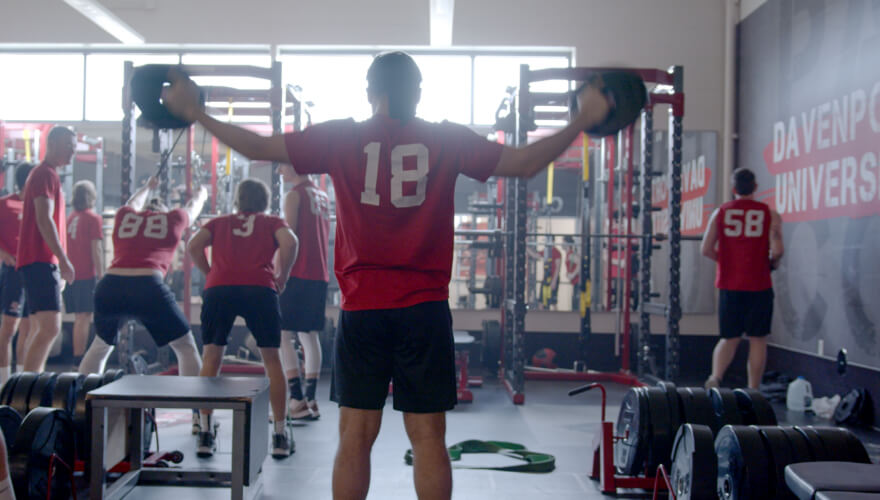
(441, 22)
(106, 20)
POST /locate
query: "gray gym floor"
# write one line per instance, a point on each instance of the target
(549, 422)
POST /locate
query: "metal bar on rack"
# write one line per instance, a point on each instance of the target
(646, 213)
(277, 108)
(584, 284)
(128, 136)
(609, 217)
(675, 142)
(625, 303)
(188, 194)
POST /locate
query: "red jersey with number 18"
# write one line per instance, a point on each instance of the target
(243, 249)
(395, 186)
(743, 246)
(146, 239)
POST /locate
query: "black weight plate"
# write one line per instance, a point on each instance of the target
(64, 395)
(81, 415)
(6, 392)
(44, 432)
(22, 391)
(725, 406)
(633, 433)
(112, 376)
(800, 448)
(661, 433)
(41, 391)
(839, 445)
(674, 403)
(696, 407)
(693, 471)
(817, 447)
(754, 408)
(780, 453)
(10, 421)
(743, 465)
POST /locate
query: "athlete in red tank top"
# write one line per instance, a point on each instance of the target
(744, 238)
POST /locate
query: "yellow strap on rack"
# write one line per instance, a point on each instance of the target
(550, 170)
(27, 144)
(586, 153)
(228, 149)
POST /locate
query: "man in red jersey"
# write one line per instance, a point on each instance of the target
(85, 237)
(744, 237)
(303, 303)
(144, 239)
(13, 305)
(241, 280)
(394, 177)
(42, 254)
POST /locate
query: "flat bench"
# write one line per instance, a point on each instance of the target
(247, 397)
(833, 480)
(463, 341)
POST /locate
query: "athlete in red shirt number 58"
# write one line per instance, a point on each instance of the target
(745, 238)
(394, 176)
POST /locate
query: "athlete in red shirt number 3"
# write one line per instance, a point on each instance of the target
(394, 176)
(744, 237)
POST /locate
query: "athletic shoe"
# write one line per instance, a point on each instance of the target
(712, 382)
(197, 426)
(313, 407)
(282, 445)
(207, 444)
(298, 409)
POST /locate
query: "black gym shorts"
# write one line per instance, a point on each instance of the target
(411, 346)
(748, 313)
(42, 286)
(303, 303)
(144, 298)
(79, 297)
(257, 305)
(12, 301)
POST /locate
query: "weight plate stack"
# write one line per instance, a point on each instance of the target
(780, 453)
(112, 376)
(693, 471)
(22, 392)
(817, 447)
(754, 408)
(44, 432)
(696, 407)
(842, 445)
(632, 430)
(10, 421)
(81, 416)
(800, 448)
(726, 408)
(660, 430)
(743, 465)
(674, 403)
(64, 395)
(6, 392)
(41, 391)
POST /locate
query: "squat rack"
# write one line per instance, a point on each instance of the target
(668, 89)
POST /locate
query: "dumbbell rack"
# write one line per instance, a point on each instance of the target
(603, 458)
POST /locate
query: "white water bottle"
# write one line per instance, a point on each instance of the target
(800, 395)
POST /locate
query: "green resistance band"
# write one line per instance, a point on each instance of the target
(532, 460)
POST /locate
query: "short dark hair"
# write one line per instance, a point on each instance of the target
(252, 195)
(84, 195)
(59, 132)
(22, 170)
(744, 182)
(396, 75)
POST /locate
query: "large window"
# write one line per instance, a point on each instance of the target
(41, 87)
(446, 88)
(493, 74)
(335, 83)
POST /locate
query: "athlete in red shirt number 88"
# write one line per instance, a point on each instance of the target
(744, 237)
(394, 177)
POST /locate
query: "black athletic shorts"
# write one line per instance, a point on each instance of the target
(42, 286)
(257, 305)
(303, 303)
(411, 346)
(12, 301)
(79, 297)
(748, 313)
(144, 298)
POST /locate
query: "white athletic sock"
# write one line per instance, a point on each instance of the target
(4, 374)
(279, 427)
(95, 358)
(189, 363)
(205, 422)
(312, 351)
(6, 491)
(289, 358)
(19, 368)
